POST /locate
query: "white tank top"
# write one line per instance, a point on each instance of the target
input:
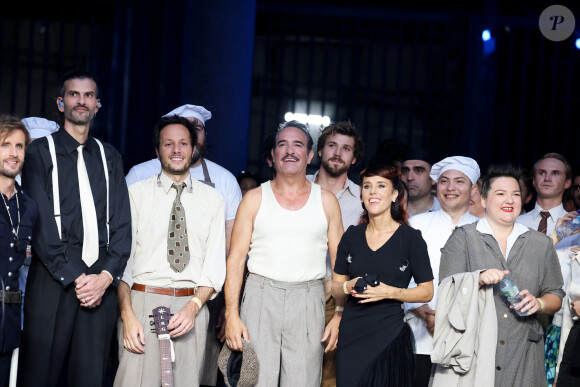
(289, 245)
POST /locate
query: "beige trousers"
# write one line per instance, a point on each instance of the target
(144, 369)
(285, 322)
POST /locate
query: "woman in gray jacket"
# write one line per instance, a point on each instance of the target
(498, 245)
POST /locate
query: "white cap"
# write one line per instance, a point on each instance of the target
(39, 127)
(186, 111)
(463, 164)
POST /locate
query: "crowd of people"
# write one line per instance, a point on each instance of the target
(301, 280)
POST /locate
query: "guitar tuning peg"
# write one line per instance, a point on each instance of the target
(151, 323)
(150, 316)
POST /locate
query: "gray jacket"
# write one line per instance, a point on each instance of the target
(533, 265)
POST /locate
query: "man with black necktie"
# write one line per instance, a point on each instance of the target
(177, 261)
(82, 243)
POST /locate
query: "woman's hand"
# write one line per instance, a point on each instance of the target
(529, 305)
(491, 276)
(576, 306)
(377, 293)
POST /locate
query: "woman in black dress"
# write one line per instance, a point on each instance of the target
(375, 345)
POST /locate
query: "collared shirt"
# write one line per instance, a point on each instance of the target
(63, 257)
(151, 205)
(13, 250)
(224, 181)
(436, 227)
(350, 208)
(532, 218)
(564, 249)
(484, 228)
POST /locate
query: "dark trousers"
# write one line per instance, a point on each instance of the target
(422, 370)
(5, 359)
(63, 343)
(569, 375)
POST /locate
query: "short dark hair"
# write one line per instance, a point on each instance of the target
(497, 171)
(171, 120)
(557, 156)
(76, 74)
(9, 124)
(346, 128)
(247, 175)
(390, 172)
(297, 125)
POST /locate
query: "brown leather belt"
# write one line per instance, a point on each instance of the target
(11, 297)
(164, 291)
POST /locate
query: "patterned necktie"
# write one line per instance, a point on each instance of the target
(90, 228)
(177, 242)
(544, 221)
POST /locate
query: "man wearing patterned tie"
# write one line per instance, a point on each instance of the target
(81, 247)
(177, 260)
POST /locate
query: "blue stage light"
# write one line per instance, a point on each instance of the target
(486, 35)
(578, 43)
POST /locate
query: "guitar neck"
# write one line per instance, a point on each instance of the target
(166, 366)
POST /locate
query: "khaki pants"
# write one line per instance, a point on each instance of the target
(328, 365)
(285, 323)
(145, 369)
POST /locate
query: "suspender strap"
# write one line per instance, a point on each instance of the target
(106, 169)
(56, 190)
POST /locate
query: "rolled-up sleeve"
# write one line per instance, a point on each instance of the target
(213, 272)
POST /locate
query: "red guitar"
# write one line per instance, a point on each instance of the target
(161, 316)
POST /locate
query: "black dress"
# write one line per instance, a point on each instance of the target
(375, 346)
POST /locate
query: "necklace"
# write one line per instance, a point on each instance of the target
(17, 229)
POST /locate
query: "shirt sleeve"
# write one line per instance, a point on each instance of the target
(37, 182)
(454, 255)
(552, 282)
(134, 200)
(120, 221)
(342, 252)
(234, 197)
(132, 177)
(213, 272)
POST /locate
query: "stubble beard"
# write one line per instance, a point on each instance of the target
(335, 171)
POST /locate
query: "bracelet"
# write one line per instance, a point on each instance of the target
(339, 308)
(542, 306)
(107, 273)
(197, 301)
(344, 289)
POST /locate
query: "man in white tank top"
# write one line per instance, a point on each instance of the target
(286, 225)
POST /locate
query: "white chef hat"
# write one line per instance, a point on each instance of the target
(39, 127)
(194, 111)
(463, 164)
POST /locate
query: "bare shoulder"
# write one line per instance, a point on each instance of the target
(250, 203)
(329, 202)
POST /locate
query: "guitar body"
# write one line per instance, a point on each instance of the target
(161, 316)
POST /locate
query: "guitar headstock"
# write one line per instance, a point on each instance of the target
(161, 316)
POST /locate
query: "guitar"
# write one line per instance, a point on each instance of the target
(161, 316)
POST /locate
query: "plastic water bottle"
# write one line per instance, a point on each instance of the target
(511, 291)
(566, 229)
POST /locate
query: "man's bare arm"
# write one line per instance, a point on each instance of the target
(235, 264)
(133, 334)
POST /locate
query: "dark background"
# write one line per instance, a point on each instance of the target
(416, 71)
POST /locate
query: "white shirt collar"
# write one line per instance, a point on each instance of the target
(519, 229)
(554, 212)
(166, 183)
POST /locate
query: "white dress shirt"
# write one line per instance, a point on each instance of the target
(151, 205)
(532, 218)
(436, 227)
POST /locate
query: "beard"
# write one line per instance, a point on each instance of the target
(167, 167)
(11, 174)
(69, 115)
(334, 170)
(198, 153)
